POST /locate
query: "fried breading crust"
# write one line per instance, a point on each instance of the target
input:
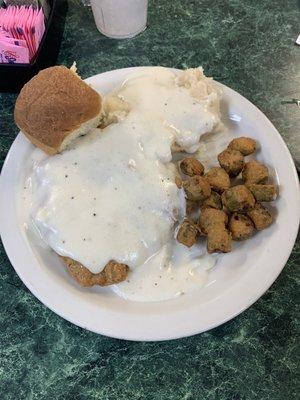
(112, 273)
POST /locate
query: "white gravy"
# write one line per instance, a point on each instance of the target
(112, 195)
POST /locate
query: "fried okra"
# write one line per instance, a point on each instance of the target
(218, 240)
(218, 179)
(263, 192)
(260, 216)
(241, 227)
(191, 166)
(214, 201)
(188, 233)
(213, 222)
(212, 195)
(255, 172)
(197, 188)
(210, 218)
(238, 199)
(244, 145)
(232, 161)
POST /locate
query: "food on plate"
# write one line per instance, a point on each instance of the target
(191, 166)
(125, 204)
(212, 223)
(188, 233)
(55, 107)
(211, 218)
(115, 194)
(115, 108)
(255, 172)
(112, 273)
(240, 226)
(260, 216)
(214, 201)
(244, 145)
(218, 179)
(232, 211)
(197, 188)
(262, 192)
(232, 161)
(218, 240)
(238, 199)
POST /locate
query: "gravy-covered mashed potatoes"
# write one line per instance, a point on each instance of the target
(112, 194)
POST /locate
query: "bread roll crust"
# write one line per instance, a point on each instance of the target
(52, 105)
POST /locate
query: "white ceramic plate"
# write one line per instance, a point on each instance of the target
(238, 280)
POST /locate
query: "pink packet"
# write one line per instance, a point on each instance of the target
(40, 23)
(21, 42)
(4, 33)
(7, 20)
(37, 27)
(12, 14)
(20, 27)
(3, 13)
(34, 29)
(29, 29)
(17, 23)
(11, 54)
(16, 42)
(24, 25)
(7, 17)
(11, 17)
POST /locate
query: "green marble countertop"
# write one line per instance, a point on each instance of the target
(249, 46)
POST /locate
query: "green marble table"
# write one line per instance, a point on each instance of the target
(250, 46)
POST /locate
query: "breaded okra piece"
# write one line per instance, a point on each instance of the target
(213, 201)
(211, 218)
(191, 166)
(218, 240)
(218, 179)
(232, 161)
(255, 172)
(263, 192)
(244, 145)
(188, 233)
(197, 188)
(241, 227)
(260, 216)
(238, 199)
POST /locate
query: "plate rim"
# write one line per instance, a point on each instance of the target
(7, 246)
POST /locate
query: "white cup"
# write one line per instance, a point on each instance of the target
(120, 19)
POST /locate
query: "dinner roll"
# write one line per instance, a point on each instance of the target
(55, 107)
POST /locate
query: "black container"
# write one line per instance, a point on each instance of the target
(14, 76)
